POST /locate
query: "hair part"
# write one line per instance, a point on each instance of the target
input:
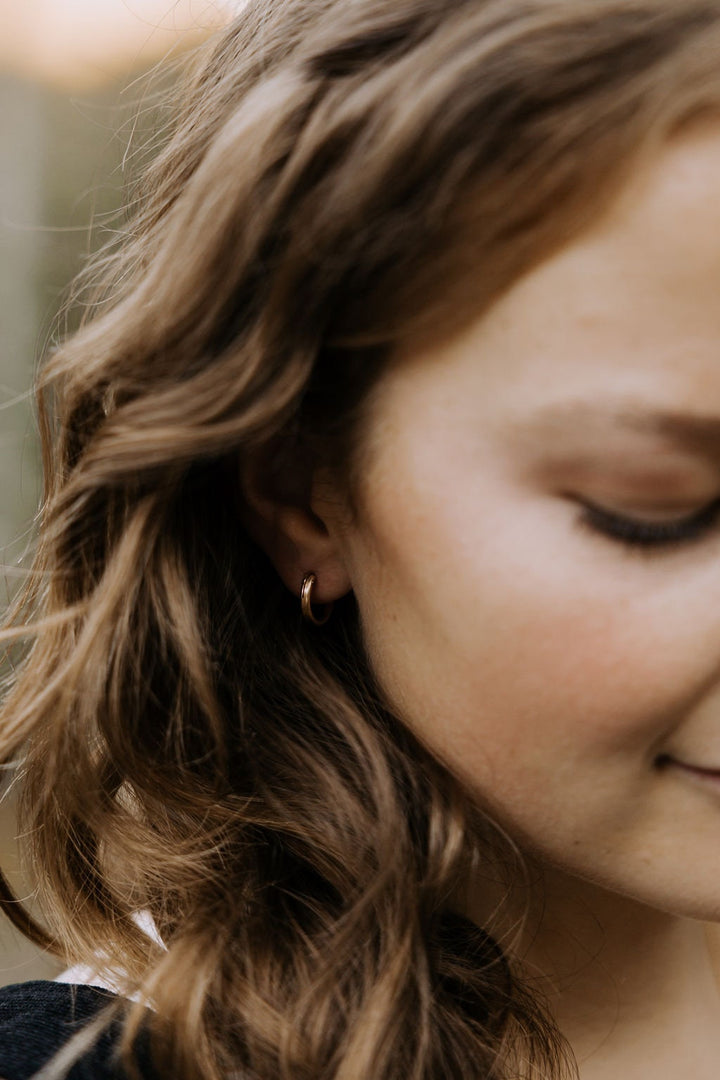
(189, 747)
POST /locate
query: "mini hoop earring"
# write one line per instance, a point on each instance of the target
(306, 602)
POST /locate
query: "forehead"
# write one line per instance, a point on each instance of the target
(629, 309)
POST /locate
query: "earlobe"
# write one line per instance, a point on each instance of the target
(298, 542)
(303, 544)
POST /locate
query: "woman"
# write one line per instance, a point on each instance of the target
(371, 722)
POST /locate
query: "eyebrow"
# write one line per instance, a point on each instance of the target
(697, 432)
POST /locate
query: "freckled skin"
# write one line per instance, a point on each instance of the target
(554, 668)
(550, 667)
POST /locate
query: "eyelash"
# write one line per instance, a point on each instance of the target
(650, 536)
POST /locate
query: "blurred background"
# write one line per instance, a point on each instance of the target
(73, 93)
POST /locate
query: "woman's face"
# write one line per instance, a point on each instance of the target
(570, 678)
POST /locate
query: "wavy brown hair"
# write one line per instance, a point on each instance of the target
(339, 174)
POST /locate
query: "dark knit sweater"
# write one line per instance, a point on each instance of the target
(37, 1018)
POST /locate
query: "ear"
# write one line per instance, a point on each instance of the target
(299, 530)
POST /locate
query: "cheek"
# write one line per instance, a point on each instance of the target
(520, 652)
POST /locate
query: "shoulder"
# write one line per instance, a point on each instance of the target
(38, 1018)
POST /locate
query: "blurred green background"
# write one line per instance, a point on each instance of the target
(59, 168)
(65, 130)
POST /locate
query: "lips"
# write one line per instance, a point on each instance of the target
(698, 769)
(708, 772)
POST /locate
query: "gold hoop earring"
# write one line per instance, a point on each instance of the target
(306, 602)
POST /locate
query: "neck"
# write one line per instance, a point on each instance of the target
(633, 990)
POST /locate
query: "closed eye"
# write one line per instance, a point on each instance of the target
(638, 533)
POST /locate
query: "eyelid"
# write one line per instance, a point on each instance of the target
(637, 532)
